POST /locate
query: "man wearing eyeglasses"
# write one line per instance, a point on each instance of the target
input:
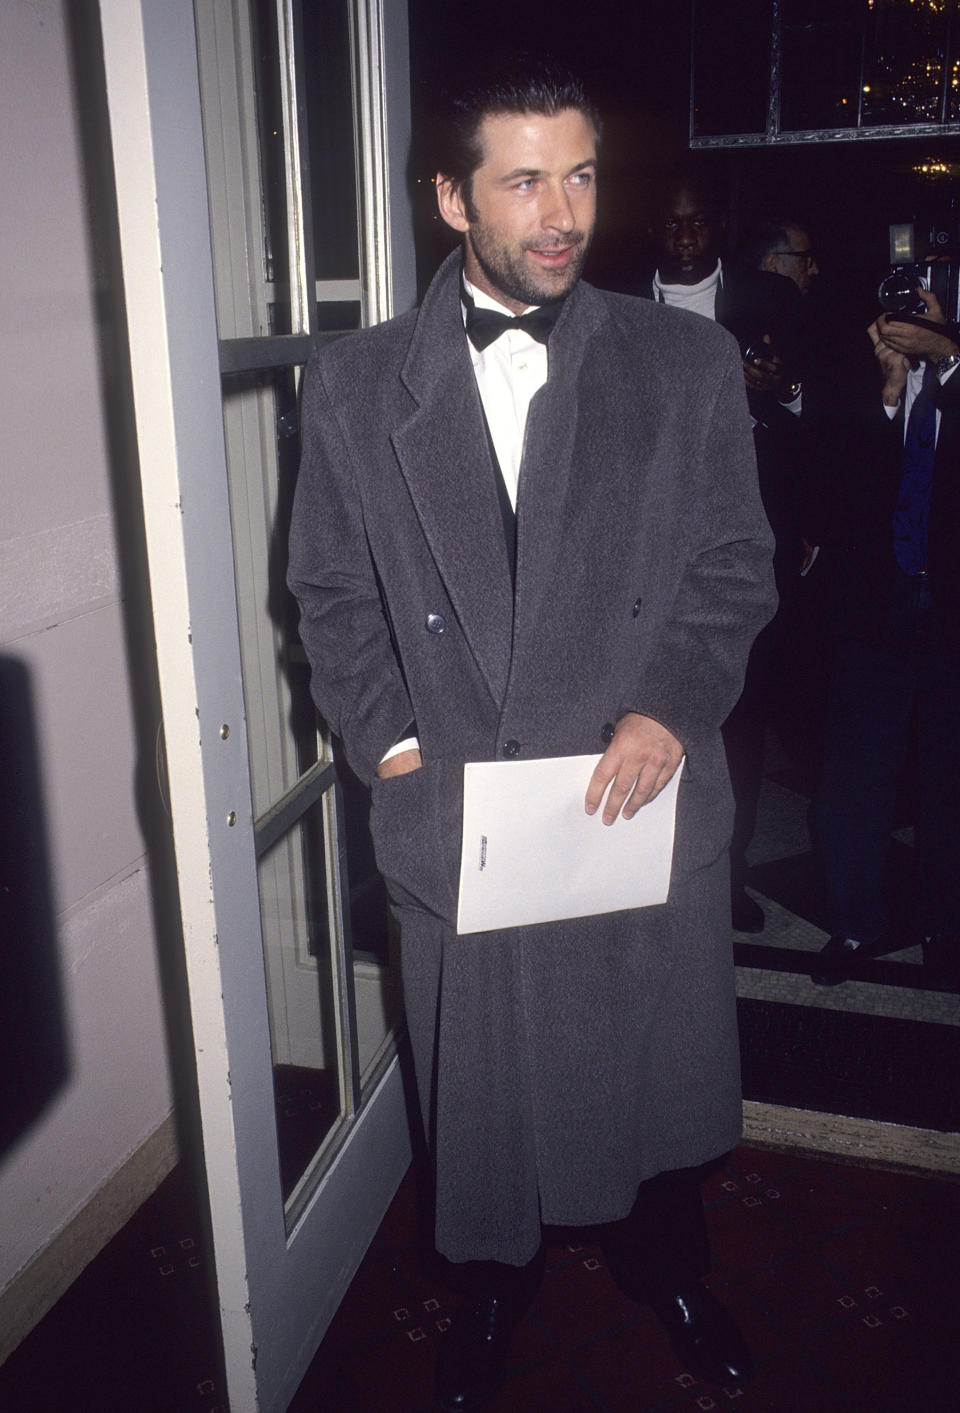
(791, 253)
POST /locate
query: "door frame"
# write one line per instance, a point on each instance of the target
(278, 1289)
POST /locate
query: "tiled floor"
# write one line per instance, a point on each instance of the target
(784, 879)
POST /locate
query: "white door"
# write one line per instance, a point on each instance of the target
(219, 111)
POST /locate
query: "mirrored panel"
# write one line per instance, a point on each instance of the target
(904, 61)
(820, 64)
(822, 69)
(731, 67)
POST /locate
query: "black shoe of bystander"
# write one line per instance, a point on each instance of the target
(839, 960)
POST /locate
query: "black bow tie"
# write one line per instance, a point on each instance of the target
(486, 325)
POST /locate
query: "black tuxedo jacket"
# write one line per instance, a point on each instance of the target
(866, 566)
(751, 304)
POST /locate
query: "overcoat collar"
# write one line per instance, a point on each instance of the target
(444, 456)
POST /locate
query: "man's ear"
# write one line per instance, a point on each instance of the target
(450, 202)
(767, 263)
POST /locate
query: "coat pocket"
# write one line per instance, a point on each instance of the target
(416, 822)
(704, 810)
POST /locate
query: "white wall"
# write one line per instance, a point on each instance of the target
(62, 616)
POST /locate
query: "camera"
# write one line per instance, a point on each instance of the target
(756, 349)
(899, 291)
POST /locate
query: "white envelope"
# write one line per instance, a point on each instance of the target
(532, 854)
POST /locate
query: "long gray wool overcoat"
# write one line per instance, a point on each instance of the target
(561, 1064)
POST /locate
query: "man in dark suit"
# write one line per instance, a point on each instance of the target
(898, 654)
(510, 548)
(762, 310)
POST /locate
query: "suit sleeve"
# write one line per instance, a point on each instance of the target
(725, 591)
(356, 680)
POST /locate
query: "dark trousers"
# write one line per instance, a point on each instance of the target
(660, 1248)
(768, 684)
(875, 689)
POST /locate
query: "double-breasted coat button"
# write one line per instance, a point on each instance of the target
(436, 623)
(637, 607)
(511, 749)
(606, 734)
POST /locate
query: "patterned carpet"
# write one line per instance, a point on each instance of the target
(846, 1280)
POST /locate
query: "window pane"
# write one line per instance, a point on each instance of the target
(326, 38)
(731, 48)
(276, 271)
(953, 88)
(905, 57)
(338, 315)
(263, 449)
(303, 1024)
(820, 67)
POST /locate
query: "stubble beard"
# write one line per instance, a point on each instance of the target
(506, 271)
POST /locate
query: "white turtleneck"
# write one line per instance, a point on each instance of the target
(700, 298)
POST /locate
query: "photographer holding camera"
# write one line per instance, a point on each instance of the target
(899, 649)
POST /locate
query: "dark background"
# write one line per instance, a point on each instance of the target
(636, 60)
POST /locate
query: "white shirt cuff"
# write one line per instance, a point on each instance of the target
(409, 743)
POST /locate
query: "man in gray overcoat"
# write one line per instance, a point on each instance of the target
(521, 537)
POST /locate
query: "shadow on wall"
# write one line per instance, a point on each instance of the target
(93, 129)
(33, 1052)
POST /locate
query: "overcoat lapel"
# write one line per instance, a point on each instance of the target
(444, 456)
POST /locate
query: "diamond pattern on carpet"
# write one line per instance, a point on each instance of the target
(845, 1279)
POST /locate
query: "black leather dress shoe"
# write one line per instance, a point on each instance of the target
(705, 1337)
(746, 913)
(838, 960)
(473, 1353)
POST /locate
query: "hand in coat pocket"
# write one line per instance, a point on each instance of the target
(416, 822)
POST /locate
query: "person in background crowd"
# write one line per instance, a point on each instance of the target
(762, 310)
(782, 247)
(897, 606)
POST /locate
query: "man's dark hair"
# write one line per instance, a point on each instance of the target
(770, 234)
(505, 83)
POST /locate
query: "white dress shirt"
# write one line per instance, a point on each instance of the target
(508, 372)
(914, 384)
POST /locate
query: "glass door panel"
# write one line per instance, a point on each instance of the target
(282, 77)
(305, 1027)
